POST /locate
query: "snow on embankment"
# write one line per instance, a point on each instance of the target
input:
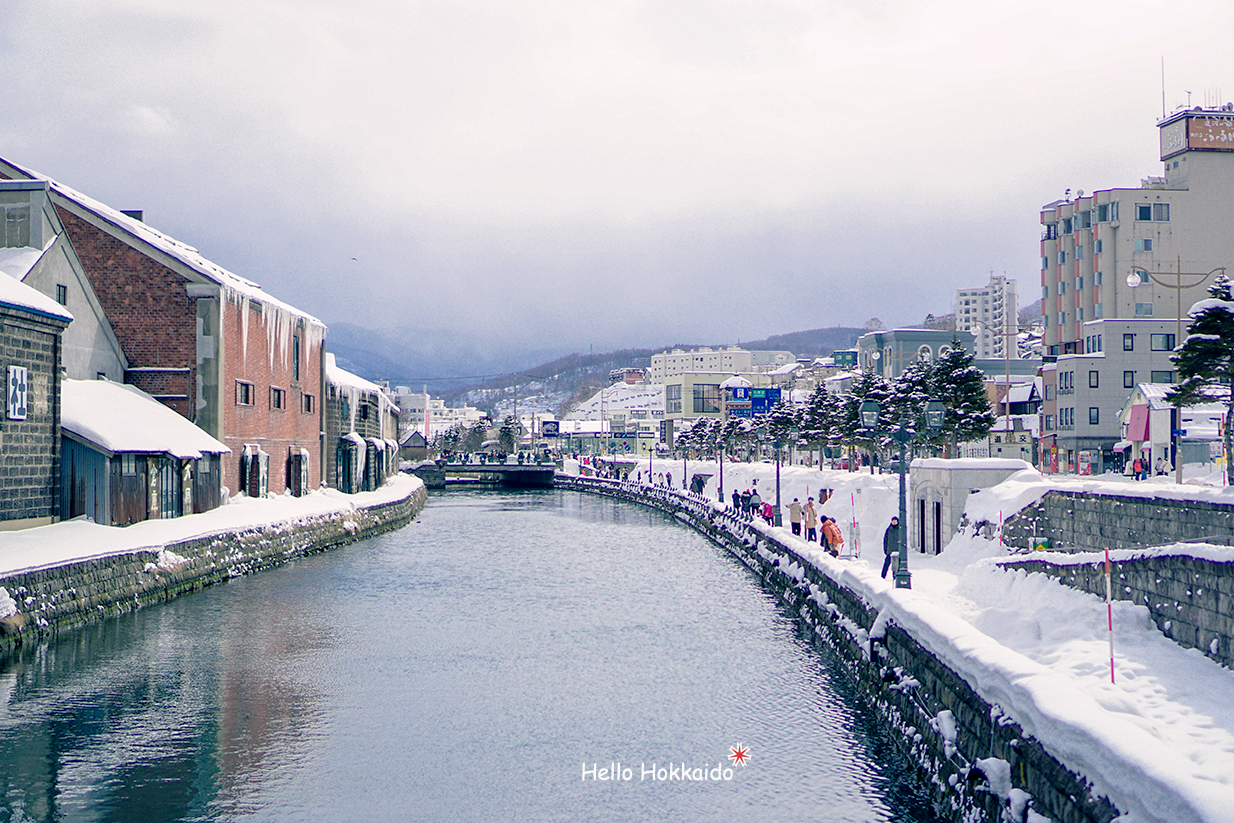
(1159, 742)
(74, 540)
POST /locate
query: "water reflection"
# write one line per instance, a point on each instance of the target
(464, 668)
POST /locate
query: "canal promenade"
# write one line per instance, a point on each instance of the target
(1158, 743)
(77, 572)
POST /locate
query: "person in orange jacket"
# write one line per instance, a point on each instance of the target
(831, 536)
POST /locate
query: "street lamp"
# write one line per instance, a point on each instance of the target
(1136, 278)
(778, 519)
(935, 414)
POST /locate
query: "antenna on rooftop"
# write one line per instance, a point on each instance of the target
(1163, 87)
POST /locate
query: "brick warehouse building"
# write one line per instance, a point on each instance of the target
(244, 366)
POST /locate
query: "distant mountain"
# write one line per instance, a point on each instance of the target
(443, 360)
(814, 343)
(465, 369)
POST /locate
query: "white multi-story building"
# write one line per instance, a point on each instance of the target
(730, 360)
(990, 313)
(420, 411)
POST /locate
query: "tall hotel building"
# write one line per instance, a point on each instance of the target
(1109, 325)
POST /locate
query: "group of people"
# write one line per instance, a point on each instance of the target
(1139, 468)
(749, 504)
(808, 516)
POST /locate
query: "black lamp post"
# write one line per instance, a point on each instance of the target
(935, 414)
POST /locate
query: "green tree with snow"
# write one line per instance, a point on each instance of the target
(1205, 360)
(960, 386)
(508, 434)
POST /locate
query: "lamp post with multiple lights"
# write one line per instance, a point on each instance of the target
(935, 414)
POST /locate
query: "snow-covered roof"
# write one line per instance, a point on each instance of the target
(231, 283)
(119, 418)
(787, 368)
(17, 262)
(20, 296)
(737, 382)
(338, 376)
(1020, 393)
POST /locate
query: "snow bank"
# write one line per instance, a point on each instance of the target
(73, 540)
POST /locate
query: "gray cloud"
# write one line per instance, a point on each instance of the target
(609, 173)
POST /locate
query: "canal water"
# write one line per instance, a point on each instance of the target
(533, 656)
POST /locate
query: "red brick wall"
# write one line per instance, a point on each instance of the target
(278, 432)
(149, 308)
(156, 323)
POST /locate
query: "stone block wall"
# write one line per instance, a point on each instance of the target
(954, 736)
(74, 594)
(1075, 521)
(1191, 599)
(30, 448)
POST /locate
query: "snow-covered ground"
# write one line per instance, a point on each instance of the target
(65, 542)
(1159, 741)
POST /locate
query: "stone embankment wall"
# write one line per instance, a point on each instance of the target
(73, 594)
(968, 749)
(1083, 521)
(1191, 598)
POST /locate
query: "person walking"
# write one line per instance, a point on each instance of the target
(794, 516)
(811, 517)
(745, 505)
(736, 502)
(768, 512)
(756, 501)
(831, 536)
(891, 545)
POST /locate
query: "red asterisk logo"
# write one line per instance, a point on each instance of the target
(740, 754)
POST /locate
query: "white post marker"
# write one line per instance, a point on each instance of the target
(1109, 611)
(855, 552)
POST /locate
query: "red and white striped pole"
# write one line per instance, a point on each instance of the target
(1109, 611)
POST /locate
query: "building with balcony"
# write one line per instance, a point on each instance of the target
(1139, 256)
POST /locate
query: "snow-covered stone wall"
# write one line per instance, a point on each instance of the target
(981, 763)
(1189, 595)
(1089, 521)
(63, 596)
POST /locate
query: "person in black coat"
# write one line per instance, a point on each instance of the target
(891, 544)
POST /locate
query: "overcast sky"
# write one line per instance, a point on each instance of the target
(605, 172)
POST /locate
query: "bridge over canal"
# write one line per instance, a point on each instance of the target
(510, 475)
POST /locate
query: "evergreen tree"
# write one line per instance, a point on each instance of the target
(960, 386)
(475, 437)
(1205, 360)
(508, 434)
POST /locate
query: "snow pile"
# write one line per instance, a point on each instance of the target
(167, 560)
(8, 606)
(21, 296)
